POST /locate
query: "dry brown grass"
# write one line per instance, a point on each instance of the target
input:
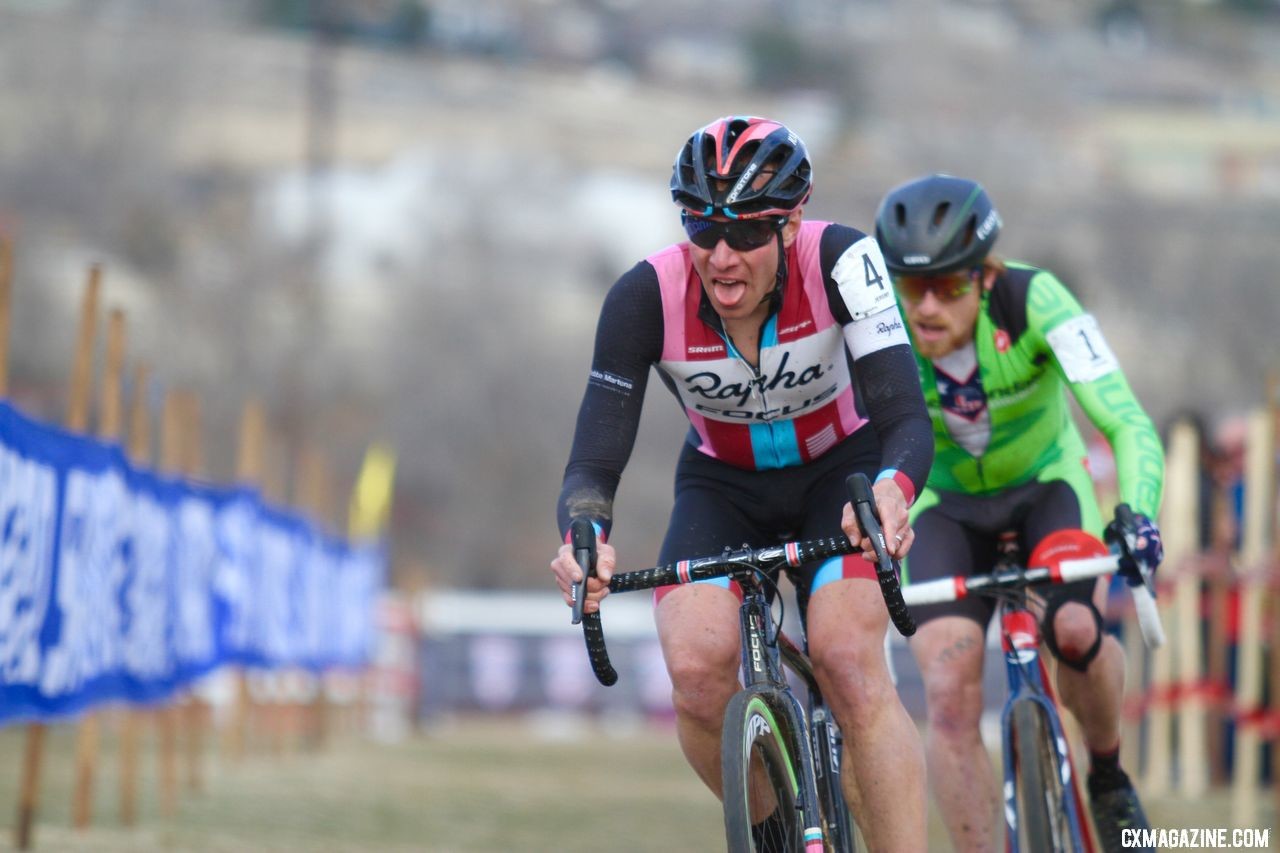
(490, 786)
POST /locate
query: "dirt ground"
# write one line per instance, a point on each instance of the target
(492, 786)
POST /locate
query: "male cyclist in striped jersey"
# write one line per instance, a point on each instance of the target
(781, 340)
(998, 344)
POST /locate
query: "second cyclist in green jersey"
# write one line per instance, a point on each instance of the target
(998, 344)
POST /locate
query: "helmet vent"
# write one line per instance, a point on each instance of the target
(940, 213)
(709, 153)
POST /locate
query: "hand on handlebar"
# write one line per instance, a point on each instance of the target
(566, 570)
(1147, 547)
(892, 507)
(1138, 539)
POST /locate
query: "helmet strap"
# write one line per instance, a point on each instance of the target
(774, 297)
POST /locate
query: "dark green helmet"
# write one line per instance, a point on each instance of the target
(936, 224)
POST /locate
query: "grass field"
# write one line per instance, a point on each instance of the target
(493, 786)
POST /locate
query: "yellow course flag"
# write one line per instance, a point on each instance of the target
(371, 497)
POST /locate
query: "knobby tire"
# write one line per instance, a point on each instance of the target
(754, 735)
(1043, 824)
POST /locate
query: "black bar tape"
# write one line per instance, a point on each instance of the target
(596, 651)
(643, 579)
(864, 504)
(824, 549)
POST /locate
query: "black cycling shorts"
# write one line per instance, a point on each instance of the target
(719, 505)
(957, 534)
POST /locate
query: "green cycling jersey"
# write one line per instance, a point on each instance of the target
(1032, 342)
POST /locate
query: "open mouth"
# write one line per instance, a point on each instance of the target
(930, 331)
(729, 292)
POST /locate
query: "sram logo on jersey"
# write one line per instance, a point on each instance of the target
(793, 379)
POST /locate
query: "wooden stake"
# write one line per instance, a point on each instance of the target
(77, 421)
(111, 403)
(1216, 673)
(109, 427)
(29, 794)
(1271, 582)
(1181, 518)
(275, 489)
(192, 442)
(86, 763)
(140, 450)
(167, 726)
(250, 459)
(130, 737)
(194, 718)
(82, 368)
(1259, 511)
(273, 480)
(194, 721)
(131, 728)
(171, 453)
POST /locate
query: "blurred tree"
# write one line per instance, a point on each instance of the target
(781, 59)
(382, 23)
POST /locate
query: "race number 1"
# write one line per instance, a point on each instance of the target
(1081, 349)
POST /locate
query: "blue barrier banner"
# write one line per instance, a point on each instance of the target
(119, 584)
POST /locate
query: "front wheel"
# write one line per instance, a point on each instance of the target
(760, 769)
(1044, 824)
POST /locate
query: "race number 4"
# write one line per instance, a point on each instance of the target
(863, 279)
(1081, 349)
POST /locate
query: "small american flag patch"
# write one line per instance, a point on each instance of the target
(820, 442)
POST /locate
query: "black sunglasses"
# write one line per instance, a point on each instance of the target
(741, 235)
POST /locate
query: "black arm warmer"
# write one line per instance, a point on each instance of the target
(889, 385)
(628, 341)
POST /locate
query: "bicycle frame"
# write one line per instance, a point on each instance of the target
(766, 651)
(827, 745)
(1028, 682)
(1020, 633)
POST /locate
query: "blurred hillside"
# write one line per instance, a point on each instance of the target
(397, 220)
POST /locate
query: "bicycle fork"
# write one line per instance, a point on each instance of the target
(1028, 681)
(828, 749)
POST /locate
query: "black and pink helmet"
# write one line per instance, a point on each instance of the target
(717, 172)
